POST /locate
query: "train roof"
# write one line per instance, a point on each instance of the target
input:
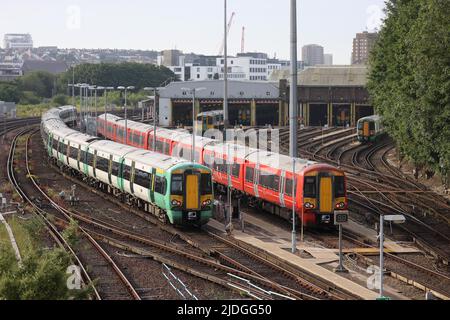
(109, 117)
(279, 161)
(153, 159)
(112, 148)
(82, 138)
(371, 118)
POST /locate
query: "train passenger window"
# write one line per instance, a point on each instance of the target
(83, 156)
(160, 185)
(90, 159)
(339, 187)
(309, 188)
(102, 164)
(159, 146)
(126, 175)
(55, 144)
(115, 168)
(177, 185)
(288, 187)
(73, 153)
(142, 178)
(120, 133)
(206, 184)
(269, 181)
(62, 148)
(249, 174)
(235, 170)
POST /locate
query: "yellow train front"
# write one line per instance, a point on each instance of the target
(209, 120)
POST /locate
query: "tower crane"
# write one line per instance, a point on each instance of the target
(243, 40)
(228, 31)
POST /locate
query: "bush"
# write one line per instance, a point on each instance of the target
(61, 100)
(29, 97)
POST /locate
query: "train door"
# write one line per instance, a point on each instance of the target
(366, 129)
(325, 194)
(192, 192)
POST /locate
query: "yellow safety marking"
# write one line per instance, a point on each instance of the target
(326, 189)
(192, 195)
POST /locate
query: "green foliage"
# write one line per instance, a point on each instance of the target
(61, 100)
(33, 110)
(70, 234)
(42, 277)
(9, 92)
(409, 79)
(29, 97)
(40, 82)
(114, 75)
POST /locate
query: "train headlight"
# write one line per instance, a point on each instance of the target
(340, 205)
(309, 205)
(176, 203)
(206, 203)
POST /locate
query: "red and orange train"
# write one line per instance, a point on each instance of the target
(265, 178)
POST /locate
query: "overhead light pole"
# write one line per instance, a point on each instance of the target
(126, 89)
(293, 107)
(99, 88)
(155, 101)
(193, 91)
(226, 121)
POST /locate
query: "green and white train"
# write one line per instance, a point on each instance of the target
(370, 129)
(173, 189)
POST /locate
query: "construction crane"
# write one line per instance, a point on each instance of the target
(228, 31)
(243, 40)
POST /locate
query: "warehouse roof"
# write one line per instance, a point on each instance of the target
(54, 67)
(214, 89)
(329, 76)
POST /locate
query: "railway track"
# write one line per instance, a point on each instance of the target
(112, 283)
(238, 260)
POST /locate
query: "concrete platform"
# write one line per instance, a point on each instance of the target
(311, 266)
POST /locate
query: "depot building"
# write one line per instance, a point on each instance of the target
(249, 103)
(329, 95)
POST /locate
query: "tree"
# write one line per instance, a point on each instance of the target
(122, 74)
(409, 79)
(40, 83)
(9, 92)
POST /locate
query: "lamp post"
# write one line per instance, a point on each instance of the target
(397, 219)
(194, 133)
(126, 89)
(99, 88)
(155, 90)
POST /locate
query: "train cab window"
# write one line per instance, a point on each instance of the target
(102, 164)
(360, 125)
(160, 185)
(177, 185)
(249, 174)
(309, 188)
(206, 184)
(142, 178)
(339, 187)
(126, 175)
(372, 125)
(115, 166)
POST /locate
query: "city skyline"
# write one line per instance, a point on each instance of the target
(80, 24)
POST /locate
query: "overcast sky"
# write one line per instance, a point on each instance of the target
(191, 26)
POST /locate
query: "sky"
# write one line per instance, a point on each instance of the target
(191, 26)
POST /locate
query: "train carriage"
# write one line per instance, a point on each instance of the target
(370, 128)
(180, 191)
(266, 178)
